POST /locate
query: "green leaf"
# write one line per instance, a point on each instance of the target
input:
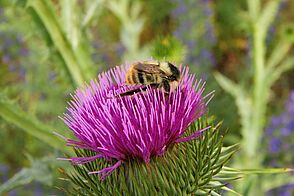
(93, 8)
(129, 14)
(278, 54)
(254, 9)
(23, 177)
(243, 102)
(286, 65)
(70, 20)
(276, 181)
(39, 171)
(230, 190)
(71, 14)
(268, 14)
(229, 149)
(227, 84)
(45, 11)
(228, 170)
(12, 113)
(266, 171)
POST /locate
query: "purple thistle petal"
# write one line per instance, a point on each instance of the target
(192, 137)
(107, 171)
(139, 126)
(81, 160)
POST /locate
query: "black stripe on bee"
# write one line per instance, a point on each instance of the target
(141, 77)
(166, 86)
(137, 90)
(175, 72)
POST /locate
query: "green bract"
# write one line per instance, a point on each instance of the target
(194, 167)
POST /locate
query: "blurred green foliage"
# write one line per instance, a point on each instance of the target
(48, 48)
(168, 48)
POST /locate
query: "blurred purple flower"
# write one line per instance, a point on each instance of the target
(8, 42)
(207, 11)
(191, 44)
(12, 51)
(96, 45)
(205, 54)
(279, 133)
(4, 170)
(24, 52)
(275, 145)
(272, 29)
(292, 96)
(12, 193)
(105, 57)
(52, 75)
(180, 9)
(20, 39)
(195, 22)
(276, 121)
(120, 49)
(286, 190)
(139, 126)
(6, 59)
(12, 68)
(290, 104)
(210, 34)
(290, 124)
(269, 131)
(22, 72)
(286, 131)
(38, 189)
(95, 57)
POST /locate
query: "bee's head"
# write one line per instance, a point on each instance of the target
(175, 72)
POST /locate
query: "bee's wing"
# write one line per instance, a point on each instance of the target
(148, 68)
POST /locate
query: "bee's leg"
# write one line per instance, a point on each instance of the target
(166, 86)
(154, 85)
(131, 92)
(137, 90)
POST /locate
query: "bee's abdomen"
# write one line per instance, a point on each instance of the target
(130, 77)
(135, 77)
(151, 78)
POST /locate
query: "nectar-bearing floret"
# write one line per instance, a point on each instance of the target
(139, 126)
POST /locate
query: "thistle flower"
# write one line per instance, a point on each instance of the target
(140, 126)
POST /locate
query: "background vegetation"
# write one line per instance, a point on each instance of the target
(242, 48)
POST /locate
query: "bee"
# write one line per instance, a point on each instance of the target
(153, 73)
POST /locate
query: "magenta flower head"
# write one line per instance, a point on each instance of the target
(140, 126)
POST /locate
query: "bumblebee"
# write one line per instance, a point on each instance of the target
(153, 73)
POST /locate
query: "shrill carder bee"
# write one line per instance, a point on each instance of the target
(153, 73)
